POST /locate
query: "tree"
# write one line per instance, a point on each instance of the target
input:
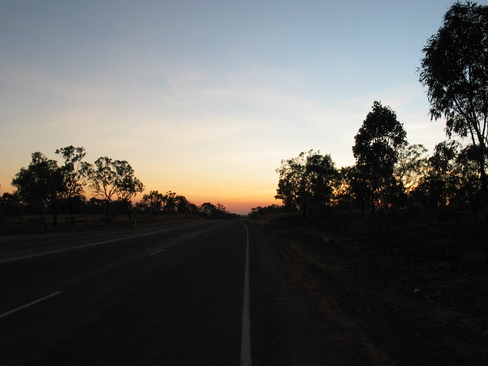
(409, 169)
(455, 72)
(170, 202)
(127, 185)
(324, 179)
(40, 184)
(376, 152)
(307, 182)
(103, 181)
(73, 172)
(292, 184)
(207, 209)
(263, 211)
(467, 170)
(113, 177)
(153, 201)
(438, 185)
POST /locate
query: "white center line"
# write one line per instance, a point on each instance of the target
(29, 304)
(246, 323)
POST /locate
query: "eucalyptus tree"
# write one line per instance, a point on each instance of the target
(466, 168)
(307, 182)
(109, 178)
(411, 166)
(102, 178)
(455, 71)
(376, 150)
(292, 183)
(324, 180)
(74, 172)
(439, 184)
(40, 185)
(153, 202)
(127, 184)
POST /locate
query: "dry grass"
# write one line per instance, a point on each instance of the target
(31, 224)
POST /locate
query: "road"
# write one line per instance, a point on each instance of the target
(205, 293)
(168, 296)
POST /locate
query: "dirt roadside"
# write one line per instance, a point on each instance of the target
(355, 302)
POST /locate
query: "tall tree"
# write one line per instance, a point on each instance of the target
(409, 169)
(292, 183)
(455, 72)
(113, 177)
(324, 179)
(73, 172)
(376, 151)
(103, 181)
(40, 184)
(307, 182)
(439, 184)
(153, 201)
(127, 185)
(467, 169)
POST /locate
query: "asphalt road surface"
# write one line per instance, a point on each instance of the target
(161, 296)
(205, 293)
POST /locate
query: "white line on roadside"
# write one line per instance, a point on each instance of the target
(246, 322)
(159, 251)
(79, 247)
(29, 304)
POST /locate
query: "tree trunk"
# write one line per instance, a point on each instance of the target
(107, 203)
(70, 206)
(484, 186)
(128, 209)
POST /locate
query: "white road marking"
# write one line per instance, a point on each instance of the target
(78, 247)
(159, 251)
(246, 322)
(29, 304)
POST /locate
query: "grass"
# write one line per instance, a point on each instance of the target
(31, 224)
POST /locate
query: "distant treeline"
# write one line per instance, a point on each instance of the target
(46, 187)
(388, 172)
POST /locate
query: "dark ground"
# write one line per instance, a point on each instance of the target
(413, 294)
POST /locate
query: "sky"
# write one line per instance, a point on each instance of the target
(205, 98)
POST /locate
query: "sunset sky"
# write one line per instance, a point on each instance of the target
(204, 98)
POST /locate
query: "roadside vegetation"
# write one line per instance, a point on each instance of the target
(401, 237)
(391, 175)
(51, 197)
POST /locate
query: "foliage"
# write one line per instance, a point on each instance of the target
(40, 184)
(455, 71)
(127, 184)
(74, 172)
(263, 211)
(170, 203)
(109, 178)
(376, 151)
(307, 182)
(217, 211)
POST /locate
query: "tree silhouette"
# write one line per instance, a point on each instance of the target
(73, 172)
(376, 151)
(113, 177)
(103, 183)
(40, 184)
(307, 182)
(455, 71)
(127, 185)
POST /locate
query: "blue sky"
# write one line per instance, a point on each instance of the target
(205, 98)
